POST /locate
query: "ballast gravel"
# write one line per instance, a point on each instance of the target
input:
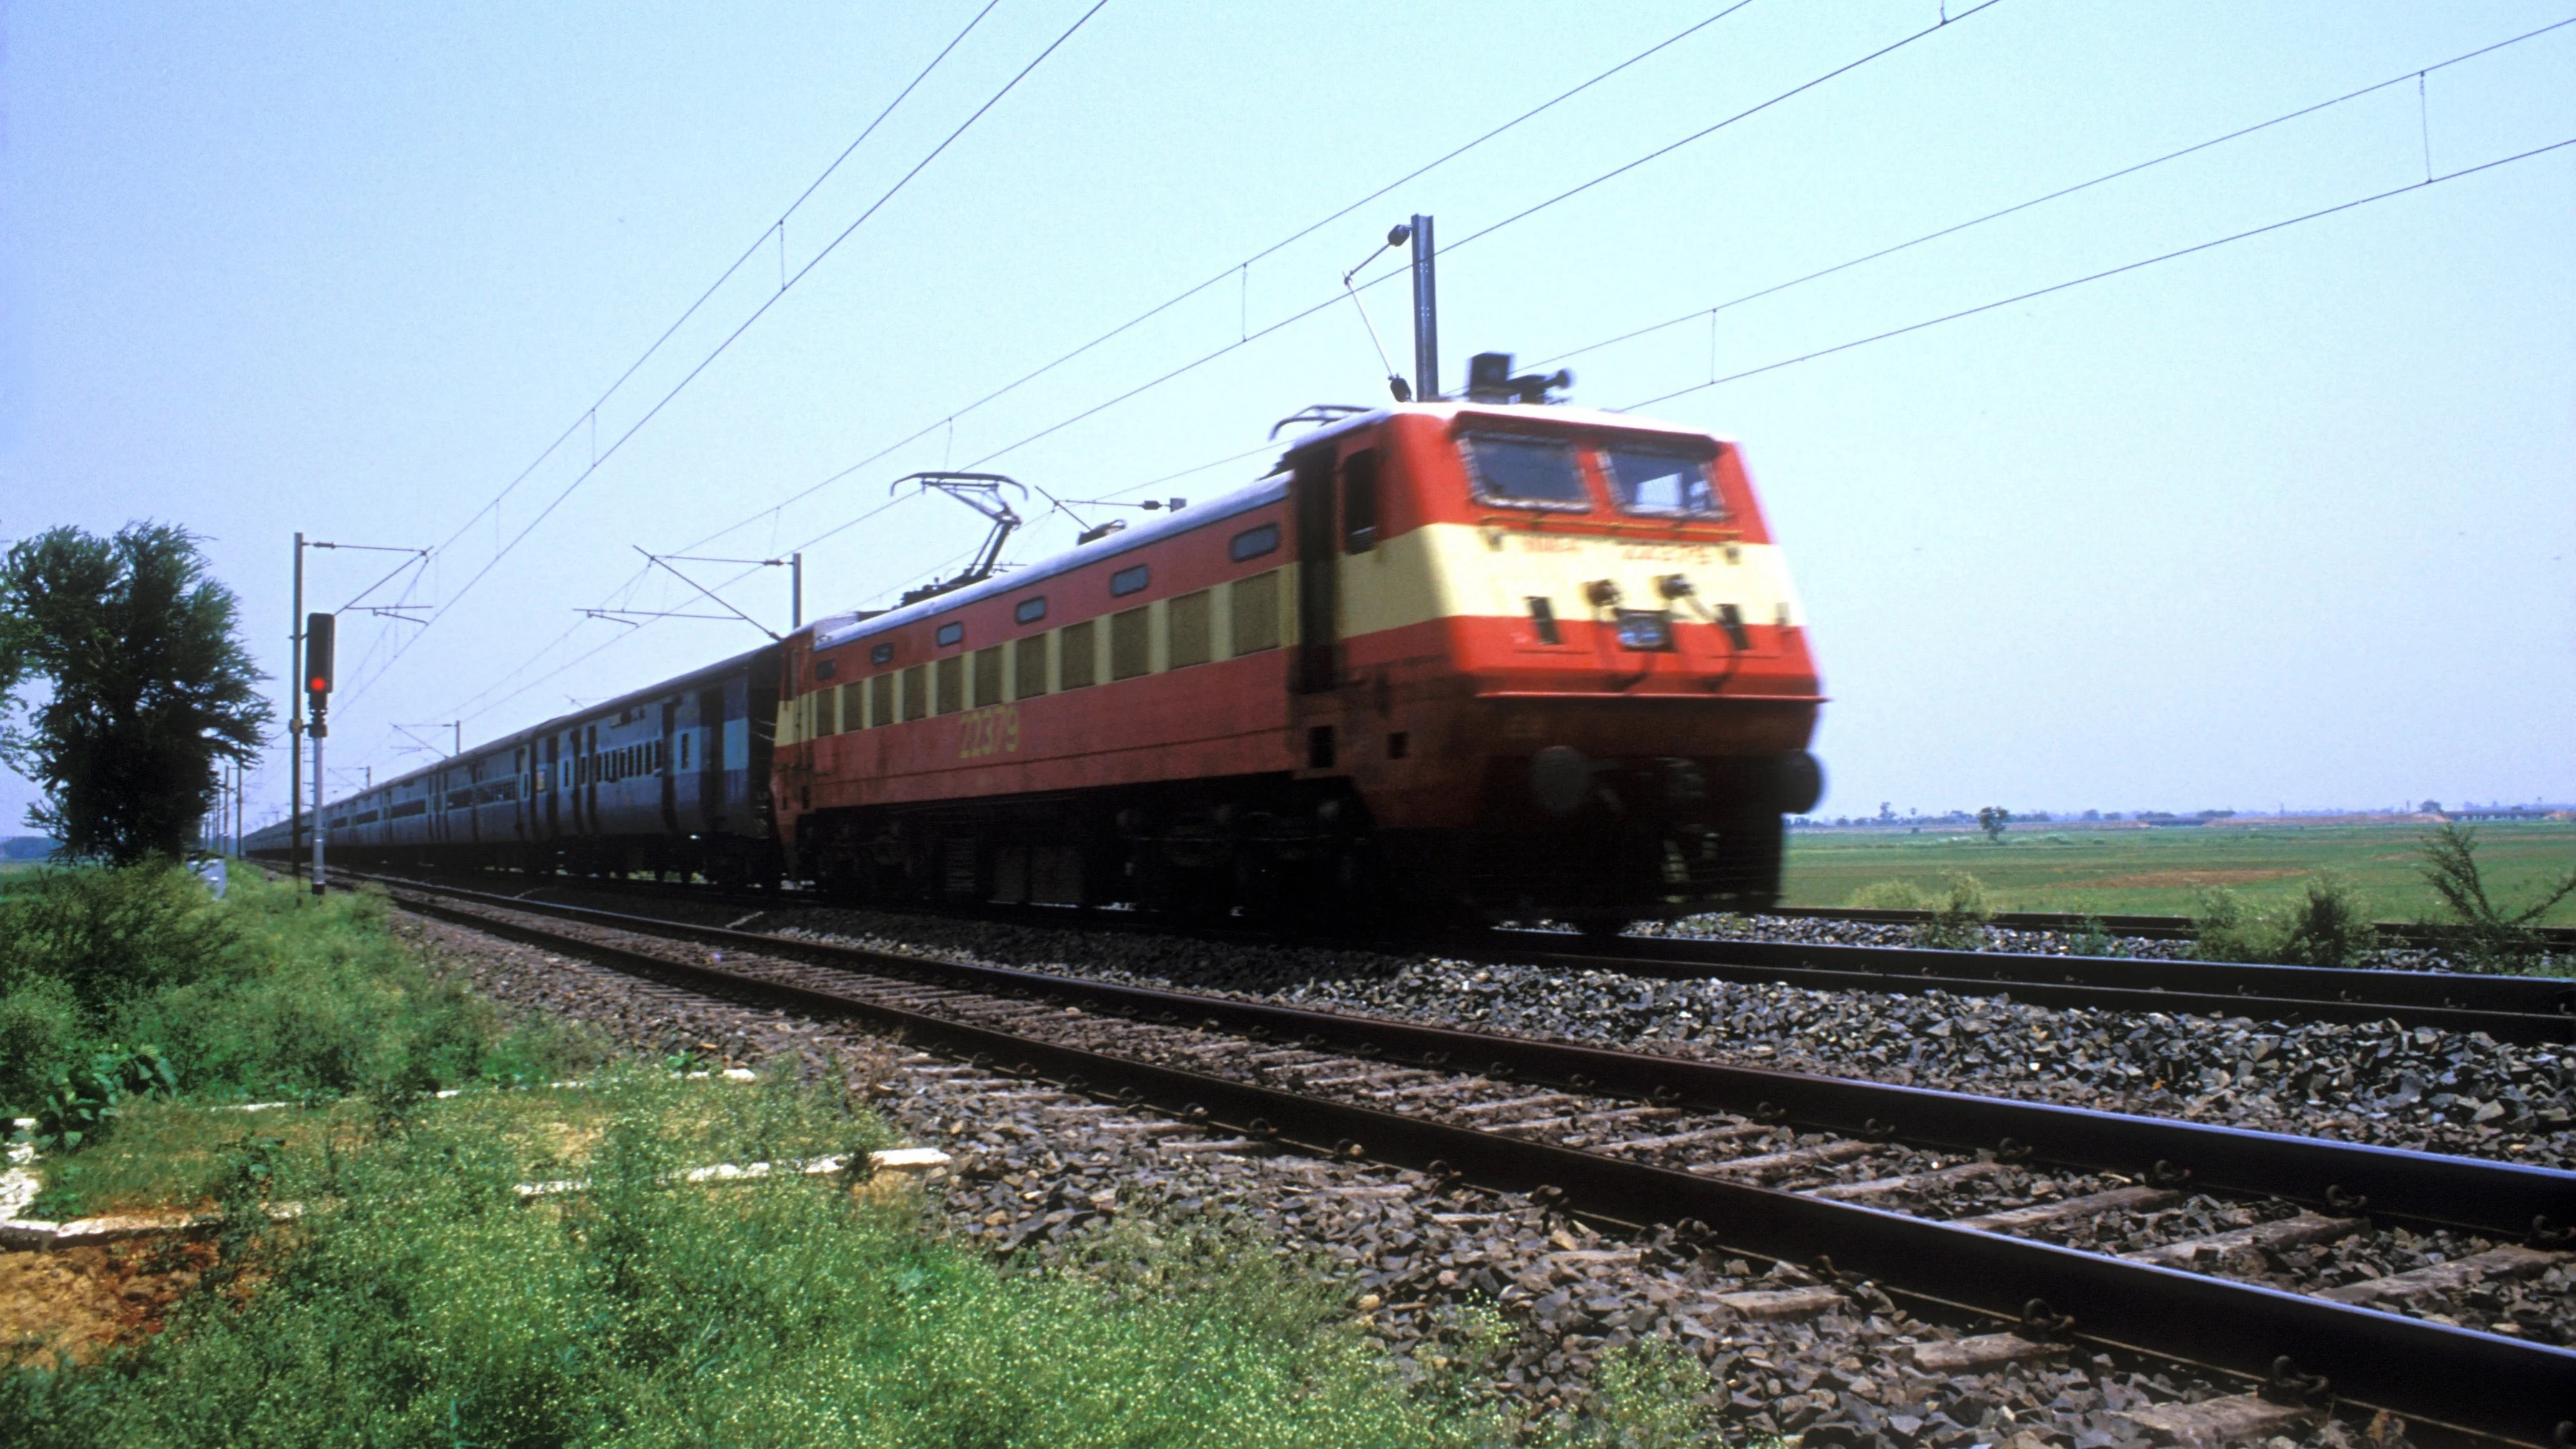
(2380, 1083)
(1039, 1172)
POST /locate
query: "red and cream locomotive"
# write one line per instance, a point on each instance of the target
(1482, 659)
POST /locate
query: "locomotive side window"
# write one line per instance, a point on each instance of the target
(1080, 663)
(988, 675)
(1129, 580)
(1674, 484)
(1188, 623)
(1029, 610)
(1028, 667)
(1131, 643)
(1252, 543)
(1359, 501)
(827, 668)
(951, 632)
(952, 684)
(1524, 472)
(916, 692)
(882, 654)
(1256, 613)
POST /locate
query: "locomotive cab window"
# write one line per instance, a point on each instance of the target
(1359, 501)
(1676, 485)
(1524, 472)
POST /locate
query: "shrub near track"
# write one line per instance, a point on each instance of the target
(266, 994)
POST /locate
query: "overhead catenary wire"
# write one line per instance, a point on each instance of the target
(1515, 218)
(1245, 338)
(1239, 271)
(604, 455)
(1703, 313)
(589, 417)
(2106, 273)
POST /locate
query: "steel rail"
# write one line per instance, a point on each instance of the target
(2525, 1009)
(2421, 1189)
(2158, 928)
(2474, 1383)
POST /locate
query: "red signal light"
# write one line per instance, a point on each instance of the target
(319, 630)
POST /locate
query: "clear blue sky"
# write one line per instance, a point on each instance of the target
(2287, 521)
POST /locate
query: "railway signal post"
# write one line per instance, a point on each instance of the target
(318, 632)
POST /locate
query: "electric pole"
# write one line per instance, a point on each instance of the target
(1426, 317)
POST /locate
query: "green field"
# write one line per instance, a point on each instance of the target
(2108, 870)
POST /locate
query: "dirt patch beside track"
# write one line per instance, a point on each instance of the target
(81, 1301)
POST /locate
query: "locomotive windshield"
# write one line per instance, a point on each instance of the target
(1530, 472)
(1645, 481)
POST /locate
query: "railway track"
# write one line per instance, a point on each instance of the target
(2175, 1240)
(2518, 1009)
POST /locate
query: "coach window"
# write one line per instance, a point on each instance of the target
(1256, 613)
(1080, 659)
(916, 692)
(880, 703)
(1029, 610)
(1131, 643)
(1664, 482)
(988, 675)
(1188, 622)
(1252, 543)
(1129, 581)
(952, 684)
(1359, 501)
(1028, 667)
(951, 632)
(1524, 472)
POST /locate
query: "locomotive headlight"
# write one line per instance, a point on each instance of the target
(1560, 780)
(1675, 586)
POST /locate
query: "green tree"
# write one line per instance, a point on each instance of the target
(148, 686)
(1992, 820)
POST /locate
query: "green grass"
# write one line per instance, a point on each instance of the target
(422, 1303)
(2163, 871)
